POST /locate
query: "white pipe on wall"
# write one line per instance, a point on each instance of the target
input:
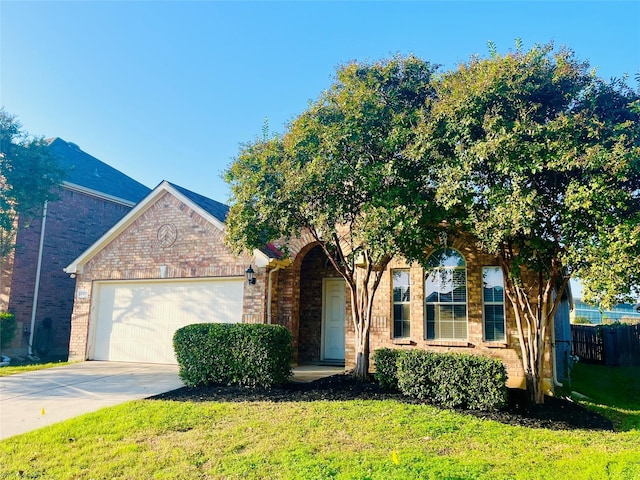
(36, 289)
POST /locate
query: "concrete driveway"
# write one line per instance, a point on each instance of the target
(36, 399)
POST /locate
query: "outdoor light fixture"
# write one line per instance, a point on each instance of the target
(251, 278)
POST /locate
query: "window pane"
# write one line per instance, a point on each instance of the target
(445, 257)
(493, 298)
(459, 286)
(431, 321)
(492, 284)
(446, 296)
(494, 322)
(401, 306)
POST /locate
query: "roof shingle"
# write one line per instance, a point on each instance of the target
(87, 171)
(217, 209)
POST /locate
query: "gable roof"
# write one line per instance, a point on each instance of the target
(220, 212)
(86, 173)
(207, 208)
(217, 209)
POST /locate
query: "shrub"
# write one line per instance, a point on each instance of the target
(453, 380)
(386, 363)
(8, 327)
(233, 354)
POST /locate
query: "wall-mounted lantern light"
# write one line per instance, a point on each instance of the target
(251, 278)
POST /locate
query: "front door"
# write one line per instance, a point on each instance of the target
(333, 317)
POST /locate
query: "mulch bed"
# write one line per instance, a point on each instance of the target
(555, 414)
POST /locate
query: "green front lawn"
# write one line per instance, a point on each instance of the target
(323, 439)
(612, 391)
(13, 370)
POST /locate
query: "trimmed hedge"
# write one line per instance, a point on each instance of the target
(451, 380)
(8, 327)
(386, 363)
(234, 354)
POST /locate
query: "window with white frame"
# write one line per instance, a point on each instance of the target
(493, 304)
(446, 296)
(401, 304)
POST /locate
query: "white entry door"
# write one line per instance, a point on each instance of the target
(333, 317)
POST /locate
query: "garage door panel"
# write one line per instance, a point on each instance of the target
(136, 320)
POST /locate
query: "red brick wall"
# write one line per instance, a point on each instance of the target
(298, 300)
(73, 223)
(382, 331)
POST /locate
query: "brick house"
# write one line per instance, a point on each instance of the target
(34, 287)
(165, 265)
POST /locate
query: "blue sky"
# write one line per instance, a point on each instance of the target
(170, 90)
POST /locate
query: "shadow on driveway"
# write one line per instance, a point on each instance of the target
(34, 400)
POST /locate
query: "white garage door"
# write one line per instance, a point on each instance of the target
(136, 320)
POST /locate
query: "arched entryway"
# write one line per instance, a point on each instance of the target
(322, 310)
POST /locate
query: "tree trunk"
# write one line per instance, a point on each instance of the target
(361, 370)
(533, 321)
(361, 324)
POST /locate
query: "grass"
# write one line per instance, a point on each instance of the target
(343, 440)
(13, 370)
(612, 391)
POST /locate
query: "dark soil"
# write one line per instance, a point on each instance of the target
(556, 413)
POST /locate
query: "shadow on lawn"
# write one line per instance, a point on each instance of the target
(554, 414)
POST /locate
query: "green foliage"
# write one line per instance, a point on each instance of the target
(453, 380)
(8, 327)
(386, 363)
(540, 161)
(341, 163)
(341, 173)
(544, 158)
(28, 174)
(582, 321)
(234, 354)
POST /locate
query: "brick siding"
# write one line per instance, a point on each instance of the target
(136, 253)
(199, 252)
(74, 222)
(299, 298)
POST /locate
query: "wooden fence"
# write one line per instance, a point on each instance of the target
(608, 345)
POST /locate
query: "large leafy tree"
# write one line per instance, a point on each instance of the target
(544, 159)
(340, 173)
(28, 175)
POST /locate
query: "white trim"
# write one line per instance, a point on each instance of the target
(95, 193)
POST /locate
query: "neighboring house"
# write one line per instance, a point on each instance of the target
(92, 198)
(622, 312)
(165, 265)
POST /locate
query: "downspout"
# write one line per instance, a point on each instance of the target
(554, 366)
(553, 355)
(37, 285)
(269, 288)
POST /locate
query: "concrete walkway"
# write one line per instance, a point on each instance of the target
(309, 373)
(33, 400)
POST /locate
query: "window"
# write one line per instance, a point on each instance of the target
(493, 302)
(446, 296)
(401, 304)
